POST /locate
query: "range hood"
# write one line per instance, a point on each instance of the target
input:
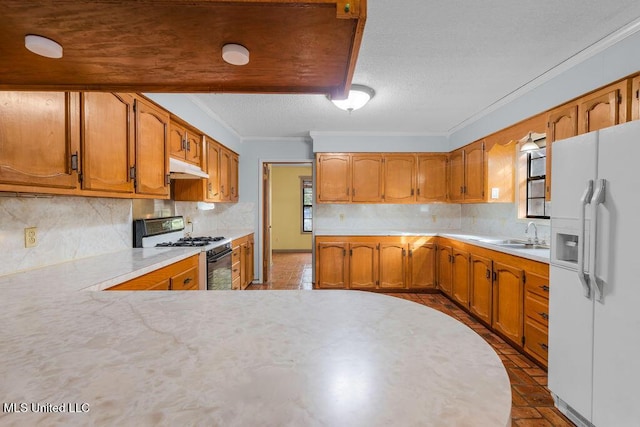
(179, 169)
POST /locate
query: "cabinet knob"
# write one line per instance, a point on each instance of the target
(545, 288)
(544, 346)
(187, 280)
(544, 315)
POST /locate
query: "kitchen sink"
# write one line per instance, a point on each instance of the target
(514, 243)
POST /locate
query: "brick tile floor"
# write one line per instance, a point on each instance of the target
(532, 405)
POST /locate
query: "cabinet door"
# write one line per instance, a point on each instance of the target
(422, 266)
(33, 123)
(247, 262)
(107, 142)
(474, 172)
(508, 300)
(331, 265)
(399, 178)
(481, 287)
(600, 111)
(635, 98)
(333, 172)
(363, 265)
(177, 140)
(392, 265)
(152, 149)
(445, 256)
(562, 123)
(460, 277)
(431, 178)
(233, 177)
(193, 153)
(225, 169)
(456, 175)
(213, 169)
(366, 178)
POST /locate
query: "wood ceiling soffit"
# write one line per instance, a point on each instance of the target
(175, 46)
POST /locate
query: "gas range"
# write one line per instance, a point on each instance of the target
(191, 241)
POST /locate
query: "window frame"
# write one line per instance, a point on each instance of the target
(538, 178)
(303, 180)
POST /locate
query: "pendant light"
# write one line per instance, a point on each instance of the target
(529, 145)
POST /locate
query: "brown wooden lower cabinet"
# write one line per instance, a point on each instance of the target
(460, 277)
(480, 287)
(242, 270)
(180, 276)
(445, 257)
(375, 262)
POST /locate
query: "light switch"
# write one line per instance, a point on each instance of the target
(495, 193)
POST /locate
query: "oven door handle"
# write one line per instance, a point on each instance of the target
(218, 257)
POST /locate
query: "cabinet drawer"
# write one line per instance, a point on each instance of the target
(537, 285)
(235, 284)
(235, 255)
(185, 281)
(536, 340)
(235, 271)
(537, 308)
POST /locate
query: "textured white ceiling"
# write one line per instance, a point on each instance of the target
(435, 64)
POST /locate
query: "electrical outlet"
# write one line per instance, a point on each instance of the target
(30, 237)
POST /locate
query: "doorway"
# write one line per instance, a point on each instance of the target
(287, 211)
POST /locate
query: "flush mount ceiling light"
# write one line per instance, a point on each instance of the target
(43, 46)
(358, 97)
(235, 54)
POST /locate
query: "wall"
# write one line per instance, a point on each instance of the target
(607, 61)
(68, 228)
(286, 208)
(327, 142)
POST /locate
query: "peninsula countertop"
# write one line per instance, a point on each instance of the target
(273, 358)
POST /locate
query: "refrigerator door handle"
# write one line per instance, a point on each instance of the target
(597, 199)
(584, 201)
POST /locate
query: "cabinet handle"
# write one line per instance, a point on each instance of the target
(188, 145)
(544, 288)
(353, 192)
(461, 189)
(347, 191)
(187, 280)
(233, 190)
(544, 346)
(410, 252)
(412, 192)
(404, 252)
(418, 191)
(209, 186)
(488, 274)
(544, 315)
(184, 144)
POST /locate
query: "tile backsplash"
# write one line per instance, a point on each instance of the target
(70, 228)
(500, 220)
(67, 228)
(430, 217)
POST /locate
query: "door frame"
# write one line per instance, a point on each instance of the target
(264, 207)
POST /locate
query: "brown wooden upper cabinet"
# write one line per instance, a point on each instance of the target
(604, 108)
(221, 164)
(152, 149)
(399, 178)
(333, 172)
(34, 123)
(107, 144)
(635, 98)
(185, 143)
(467, 173)
(380, 177)
(366, 178)
(431, 177)
(562, 123)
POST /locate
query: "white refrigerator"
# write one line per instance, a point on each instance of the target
(594, 301)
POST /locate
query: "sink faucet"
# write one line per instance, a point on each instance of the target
(526, 231)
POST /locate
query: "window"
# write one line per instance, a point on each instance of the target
(536, 181)
(306, 185)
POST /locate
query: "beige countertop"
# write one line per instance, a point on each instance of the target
(269, 358)
(103, 271)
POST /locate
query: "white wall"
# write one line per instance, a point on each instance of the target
(328, 142)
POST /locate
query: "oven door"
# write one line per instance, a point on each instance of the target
(219, 271)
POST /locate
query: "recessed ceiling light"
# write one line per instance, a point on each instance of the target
(235, 54)
(43, 46)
